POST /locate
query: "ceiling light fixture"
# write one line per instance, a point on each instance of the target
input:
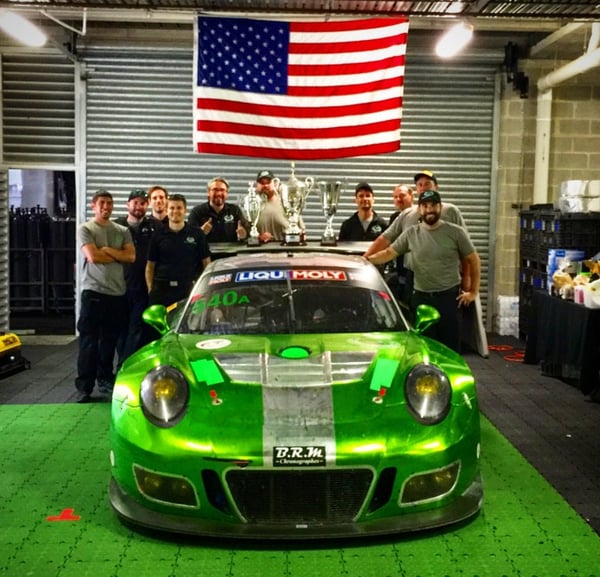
(21, 29)
(454, 40)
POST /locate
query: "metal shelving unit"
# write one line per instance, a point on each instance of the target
(27, 280)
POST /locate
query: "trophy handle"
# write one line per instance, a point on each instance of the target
(309, 181)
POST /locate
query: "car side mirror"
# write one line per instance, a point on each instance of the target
(426, 316)
(156, 317)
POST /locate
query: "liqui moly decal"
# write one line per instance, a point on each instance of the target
(312, 274)
(293, 274)
(253, 275)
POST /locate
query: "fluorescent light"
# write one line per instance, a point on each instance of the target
(21, 29)
(454, 40)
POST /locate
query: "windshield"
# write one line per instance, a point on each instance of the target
(274, 302)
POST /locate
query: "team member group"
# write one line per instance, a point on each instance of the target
(154, 254)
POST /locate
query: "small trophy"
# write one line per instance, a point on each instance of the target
(293, 196)
(330, 196)
(253, 204)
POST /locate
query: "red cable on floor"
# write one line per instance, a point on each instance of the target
(517, 356)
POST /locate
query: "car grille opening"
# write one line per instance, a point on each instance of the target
(383, 490)
(300, 497)
(214, 491)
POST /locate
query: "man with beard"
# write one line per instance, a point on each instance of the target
(424, 180)
(136, 333)
(438, 249)
(272, 222)
(221, 221)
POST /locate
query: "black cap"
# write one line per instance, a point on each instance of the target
(265, 174)
(430, 196)
(137, 193)
(363, 186)
(426, 173)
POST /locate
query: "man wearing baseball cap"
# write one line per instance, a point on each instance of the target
(438, 249)
(136, 333)
(272, 222)
(424, 180)
(364, 224)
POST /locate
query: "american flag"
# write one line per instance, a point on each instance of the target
(298, 90)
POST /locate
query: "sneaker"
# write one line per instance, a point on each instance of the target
(82, 397)
(105, 388)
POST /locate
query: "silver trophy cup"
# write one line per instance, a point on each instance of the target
(293, 198)
(330, 195)
(253, 204)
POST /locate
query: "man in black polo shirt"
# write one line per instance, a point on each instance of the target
(136, 333)
(364, 224)
(177, 255)
(220, 220)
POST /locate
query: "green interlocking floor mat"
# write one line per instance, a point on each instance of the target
(55, 520)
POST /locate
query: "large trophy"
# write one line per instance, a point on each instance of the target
(253, 204)
(293, 197)
(330, 196)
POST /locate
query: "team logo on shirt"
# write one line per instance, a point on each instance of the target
(190, 240)
(228, 218)
(377, 229)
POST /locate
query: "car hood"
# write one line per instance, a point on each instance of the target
(334, 387)
(376, 361)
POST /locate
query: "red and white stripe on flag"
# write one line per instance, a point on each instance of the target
(298, 90)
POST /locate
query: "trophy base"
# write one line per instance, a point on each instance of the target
(294, 240)
(253, 242)
(328, 241)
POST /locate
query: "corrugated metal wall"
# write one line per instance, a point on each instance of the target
(38, 110)
(4, 242)
(38, 131)
(139, 123)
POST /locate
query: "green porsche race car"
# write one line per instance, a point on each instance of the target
(289, 398)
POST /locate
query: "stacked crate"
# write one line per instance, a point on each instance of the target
(41, 261)
(542, 229)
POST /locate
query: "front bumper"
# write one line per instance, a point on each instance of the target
(461, 508)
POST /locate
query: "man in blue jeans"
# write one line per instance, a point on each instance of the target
(106, 246)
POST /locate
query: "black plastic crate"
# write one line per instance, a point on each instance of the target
(569, 231)
(525, 306)
(529, 250)
(527, 220)
(533, 278)
(537, 262)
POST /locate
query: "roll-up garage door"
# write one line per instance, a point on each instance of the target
(38, 110)
(38, 130)
(139, 133)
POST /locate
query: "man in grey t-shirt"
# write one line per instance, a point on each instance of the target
(106, 246)
(424, 180)
(438, 250)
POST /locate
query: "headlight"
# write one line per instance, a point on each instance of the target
(428, 391)
(164, 394)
